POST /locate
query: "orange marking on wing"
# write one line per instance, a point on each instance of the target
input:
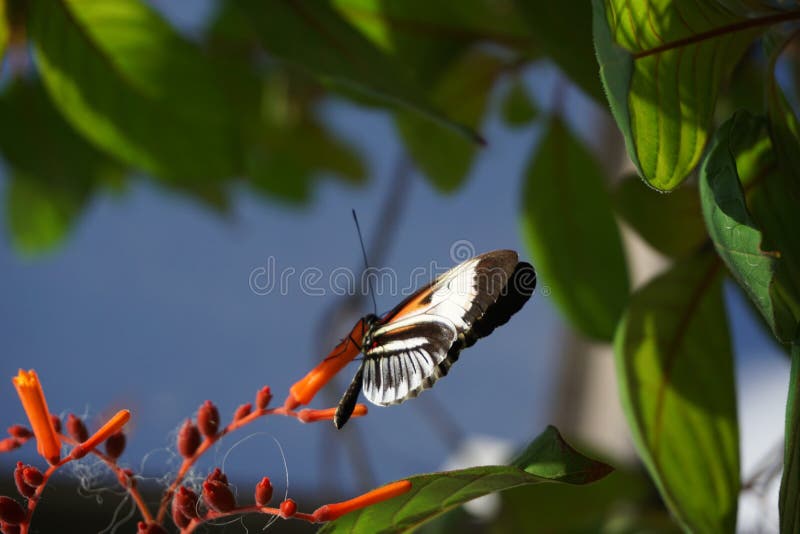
(414, 304)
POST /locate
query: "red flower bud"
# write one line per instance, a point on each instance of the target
(178, 517)
(115, 445)
(208, 419)
(186, 501)
(56, 423)
(242, 411)
(9, 444)
(7, 528)
(150, 528)
(32, 476)
(76, 428)
(288, 508)
(263, 492)
(19, 479)
(263, 397)
(218, 496)
(217, 474)
(11, 512)
(20, 432)
(188, 439)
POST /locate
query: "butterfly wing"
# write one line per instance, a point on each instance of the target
(418, 340)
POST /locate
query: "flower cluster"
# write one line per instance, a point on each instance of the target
(59, 444)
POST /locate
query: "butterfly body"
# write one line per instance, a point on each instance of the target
(408, 349)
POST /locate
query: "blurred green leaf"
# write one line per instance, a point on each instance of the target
(53, 170)
(671, 223)
(662, 63)
(313, 35)
(5, 30)
(563, 30)
(129, 83)
(789, 500)
(463, 92)
(548, 459)
(517, 108)
(572, 235)
(741, 153)
(426, 36)
(675, 370)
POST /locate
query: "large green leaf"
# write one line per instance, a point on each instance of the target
(547, 459)
(789, 500)
(517, 108)
(314, 36)
(129, 83)
(463, 92)
(754, 250)
(563, 31)
(675, 371)
(671, 223)
(662, 63)
(570, 229)
(53, 170)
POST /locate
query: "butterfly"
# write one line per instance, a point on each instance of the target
(412, 346)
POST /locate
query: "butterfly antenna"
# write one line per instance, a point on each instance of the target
(366, 263)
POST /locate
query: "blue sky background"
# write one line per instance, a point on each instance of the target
(147, 306)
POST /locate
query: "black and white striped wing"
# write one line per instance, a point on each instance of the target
(405, 358)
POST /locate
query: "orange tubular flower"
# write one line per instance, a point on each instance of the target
(113, 426)
(312, 416)
(329, 512)
(31, 395)
(304, 390)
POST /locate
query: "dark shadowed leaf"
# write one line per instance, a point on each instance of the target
(675, 371)
(518, 109)
(650, 53)
(563, 31)
(789, 501)
(463, 92)
(53, 170)
(759, 249)
(129, 83)
(671, 223)
(572, 235)
(313, 35)
(548, 459)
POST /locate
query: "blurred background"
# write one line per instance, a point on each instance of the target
(131, 291)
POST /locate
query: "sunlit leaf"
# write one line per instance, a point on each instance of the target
(314, 36)
(563, 31)
(548, 459)
(671, 223)
(572, 235)
(662, 63)
(5, 30)
(463, 92)
(129, 83)
(517, 108)
(675, 371)
(741, 153)
(53, 170)
(789, 500)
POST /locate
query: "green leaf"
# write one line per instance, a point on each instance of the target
(789, 499)
(662, 63)
(572, 235)
(130, 84)
(53, 170)
(548, 459)
(314, 36)
(5, 30)
(741, 153)
(671, 223)
(563, 30)
(463, 92)
(426, 36)
(517, 108)
(675, 371)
